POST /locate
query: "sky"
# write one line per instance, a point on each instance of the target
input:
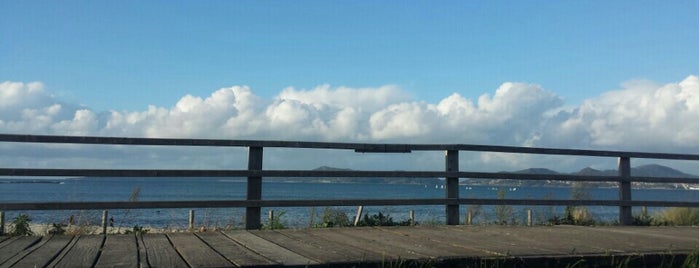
(618, 75)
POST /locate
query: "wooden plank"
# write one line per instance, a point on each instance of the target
(46, 253)
(537, 240)
(329, 145)
(644, 239)
(142, 253)
(16, 247)
(355, 253)
(563, 242)
(386, 251)
(419, 248)
(268, 249)
(7, 240)
(689, 234)
(63, 252)
(195, 252)
(83, 253)
(303, 247)
(234, 252)
(160, 253)
(119, 251)
(335, 202)
(20, 255)
(475, 244)
(421, 245)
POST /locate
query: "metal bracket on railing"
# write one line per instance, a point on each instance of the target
(383, 148)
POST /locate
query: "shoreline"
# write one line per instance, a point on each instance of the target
(42, 229)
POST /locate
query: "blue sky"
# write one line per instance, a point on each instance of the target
(124, 55)
(621, 75)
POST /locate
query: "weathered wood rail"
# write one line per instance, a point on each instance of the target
(255, 173)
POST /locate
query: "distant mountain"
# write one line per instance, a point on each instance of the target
(327, 168)
(542, 171)
(588, 171)
(422, 181)
(652, 170)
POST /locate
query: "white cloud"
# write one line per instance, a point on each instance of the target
(642, 115)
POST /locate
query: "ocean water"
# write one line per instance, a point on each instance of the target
(170, 189)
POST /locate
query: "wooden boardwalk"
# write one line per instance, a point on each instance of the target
(517, 246)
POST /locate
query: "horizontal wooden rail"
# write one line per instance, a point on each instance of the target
(328, 174)
(331, 202)
(358, 147)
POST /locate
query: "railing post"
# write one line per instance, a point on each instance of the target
(2, 222)
(625, 217)
(105, 215)
(191, 221)
(452, 186)
(252, 214)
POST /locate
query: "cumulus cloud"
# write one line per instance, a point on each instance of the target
(641, 115)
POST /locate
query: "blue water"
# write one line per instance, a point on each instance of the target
(160, 189)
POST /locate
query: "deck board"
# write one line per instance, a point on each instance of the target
(16, 247)
(44, 254)
(195, 252)
(302, 247)
(346, 247)
(83, 253)
(384, 250)
(8, 240)
(234, 252)
(350, 252)
(119, 251)
(269, 249)
(160, 253)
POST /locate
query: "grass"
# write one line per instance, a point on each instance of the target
(678, 217)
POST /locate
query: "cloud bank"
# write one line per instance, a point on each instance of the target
(641, 115)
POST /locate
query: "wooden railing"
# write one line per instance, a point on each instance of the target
(255, 172)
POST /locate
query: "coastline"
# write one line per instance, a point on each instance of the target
(42, 229)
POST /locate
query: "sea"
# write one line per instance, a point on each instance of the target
(179, 189)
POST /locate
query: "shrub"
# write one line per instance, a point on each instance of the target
(678, 216)
(381, 220)
(503, 213)
(275, 222)
(333, 217)
(20, 225)
(573, 214)
(57, 228)
(137, 230)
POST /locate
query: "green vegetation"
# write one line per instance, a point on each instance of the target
(275, 222)
(576, 215)
(678, 216)
(669, 217)
(503, 213)
(692, 259)
(381, 220)
(137, 230)
(20, 225)
(333, 217)
(57, 228)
